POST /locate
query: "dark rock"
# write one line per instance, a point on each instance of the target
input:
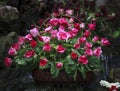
(14, 79)
(8, 17)
(13, 3)
(8, 13)
(116, 74)
(30, 11)
(2, 3)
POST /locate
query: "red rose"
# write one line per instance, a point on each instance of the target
(82, 59)
(63, 22)
(82, 40)
(98, 14)
(77, 46)
(113, 88)
(40, 38)
(33, 43)
(59, 65)
(77, 26)
(73, 55)
(16, 46)
(60, 49)
(40, 22)
(7, 62)
(29, 54)
(43, 62)
(87, 33)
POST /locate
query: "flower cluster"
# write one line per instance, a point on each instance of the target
(60, 43)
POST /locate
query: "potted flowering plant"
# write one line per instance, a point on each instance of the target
(62, 42)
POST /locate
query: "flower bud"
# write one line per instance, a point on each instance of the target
(59, 65)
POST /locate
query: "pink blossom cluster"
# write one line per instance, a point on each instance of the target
(62, 36)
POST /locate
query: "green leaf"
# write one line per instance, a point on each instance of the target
(74, 40)
(69, 60)
(116, 34)
(75, 74)
(28, 59)
(91, 15)
(83, 71)
(87, 68)
(71, 70)
(94, 63)
(76, 51)
(21, 62)
(54, 71)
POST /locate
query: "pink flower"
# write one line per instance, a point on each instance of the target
(89, 52)
(43, 62)
(95, 39)
(60, 10)
(62, 35)
(48, 29)
(91, 26)
(59, 65)
(7, 62)
(69, 12)
(87, 33)
(47, 47)
(21, 40)
(29, 53)
(61, 28)
(54, 33)
(83, 59)
(63, 22)
(29, 37)
(82, 40)
(12, 51)
(55, 14)
(97, 52)
(70, 34)
(71, 20)
(53, 21)
(46, 39)
(60, 49)
(16, 46)
(73, 55)
(33, 43)
(77, 46)
(88, 45)
(82, 25)
(74, 31)
(105, 41)
(34, 32)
